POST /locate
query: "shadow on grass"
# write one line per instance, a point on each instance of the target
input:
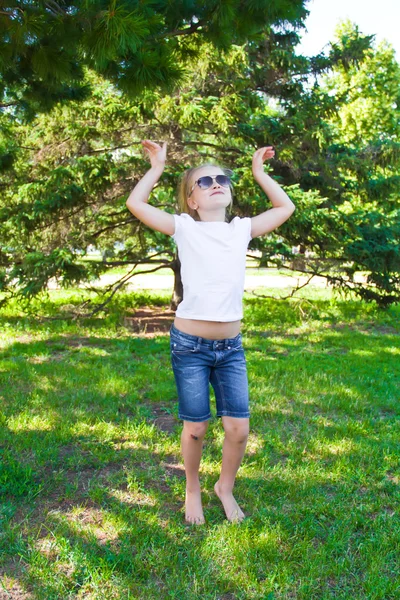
(109, 502)
(123, 518)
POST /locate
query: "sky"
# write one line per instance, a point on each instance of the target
(380, 17)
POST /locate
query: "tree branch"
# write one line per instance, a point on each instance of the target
(116, 286)
(56, 8)
(188, 31)
(223, 148)
(113, 226)
(294, 290)
(112, 149)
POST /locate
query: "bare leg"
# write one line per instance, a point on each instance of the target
(192, 446)
(236, 434)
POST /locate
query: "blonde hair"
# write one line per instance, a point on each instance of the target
(184, 187)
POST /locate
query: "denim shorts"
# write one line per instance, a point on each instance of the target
(196, 363)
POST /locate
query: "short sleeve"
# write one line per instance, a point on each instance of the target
(248, 228)
(181, 223)
(242, 227)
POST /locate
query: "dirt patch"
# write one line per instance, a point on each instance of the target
(163, 418)
(364, 328)
(57, 501)
(10, 588)
(393, 478)
(172, 467)
(150, 322)
(13, 591)
(79, 341)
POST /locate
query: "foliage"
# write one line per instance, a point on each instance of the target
(66, 177)
(45, 45)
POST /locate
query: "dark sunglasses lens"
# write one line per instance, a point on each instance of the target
(223, 180)
(204, 182)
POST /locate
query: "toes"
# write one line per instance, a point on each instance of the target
(195, 520)
(236, 516)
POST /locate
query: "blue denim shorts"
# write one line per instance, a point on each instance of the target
(196, 363)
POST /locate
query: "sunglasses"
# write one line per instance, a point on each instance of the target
(206, 182)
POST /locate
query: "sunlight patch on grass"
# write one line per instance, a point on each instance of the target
(338, 447)
(91, 458)
(103, 429)
(94, 351)
(132, 497)
(28, 421)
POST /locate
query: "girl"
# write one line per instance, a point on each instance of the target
(205, 339)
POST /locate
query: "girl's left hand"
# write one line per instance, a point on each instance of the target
(261, 155)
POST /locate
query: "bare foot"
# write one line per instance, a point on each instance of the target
(232, 509)
(194, 510)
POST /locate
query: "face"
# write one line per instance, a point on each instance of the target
(216, 197)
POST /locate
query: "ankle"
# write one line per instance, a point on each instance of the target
(224, 487)
(193, 487)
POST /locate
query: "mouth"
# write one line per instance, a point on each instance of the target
(213, 194)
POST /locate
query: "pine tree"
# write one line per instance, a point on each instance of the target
(45, 44)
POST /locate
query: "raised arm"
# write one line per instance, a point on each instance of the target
(137, 202)
(283, 207)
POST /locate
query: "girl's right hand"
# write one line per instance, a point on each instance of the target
(156, 154)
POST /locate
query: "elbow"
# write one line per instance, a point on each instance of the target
(130, 207)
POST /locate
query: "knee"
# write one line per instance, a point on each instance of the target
(237, 432)
(196, 430)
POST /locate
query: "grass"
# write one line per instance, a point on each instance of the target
(92, 482)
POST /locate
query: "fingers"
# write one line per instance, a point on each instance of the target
(151, 148)
(263, 154)
(153, 145)
(267, 150)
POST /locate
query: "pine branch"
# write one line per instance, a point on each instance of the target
(222, 148)
(68, 216)
(113, 226)
(188, 31)
(56, 8)
(112, 149)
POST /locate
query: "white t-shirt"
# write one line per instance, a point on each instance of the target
(213, 263)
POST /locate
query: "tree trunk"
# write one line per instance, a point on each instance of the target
(299, 261)
(177, 295)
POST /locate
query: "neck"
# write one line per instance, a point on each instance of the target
(213, 217)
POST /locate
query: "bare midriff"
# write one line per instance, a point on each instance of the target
(211, 330)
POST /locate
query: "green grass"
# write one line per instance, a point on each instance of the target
(92, 483)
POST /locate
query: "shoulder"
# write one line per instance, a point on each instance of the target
(184, 218)
(183, 221)
(239, 221)
(242, 226)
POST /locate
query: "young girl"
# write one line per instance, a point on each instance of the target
(205, 339)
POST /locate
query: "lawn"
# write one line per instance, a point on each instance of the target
(91, 478)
